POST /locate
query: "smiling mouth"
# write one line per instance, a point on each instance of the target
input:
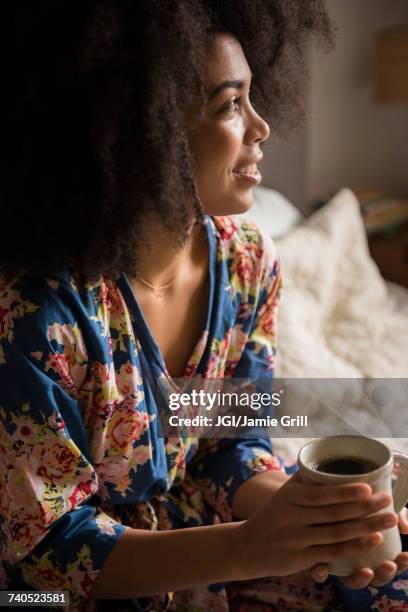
(247, 176)
(251, 170)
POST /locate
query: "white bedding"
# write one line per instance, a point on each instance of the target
(338, 318)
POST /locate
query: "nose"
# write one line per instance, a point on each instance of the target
(257, 129)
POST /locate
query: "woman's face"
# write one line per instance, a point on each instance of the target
(226, 144)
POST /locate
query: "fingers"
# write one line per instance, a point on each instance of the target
(333, 552)
(402, 562)
(319, 572)
(381, 576)
(384, 573)
(366, 576)
(403, 521)
(348, 530)
(311, 495)
(341, 512)
(360, 579)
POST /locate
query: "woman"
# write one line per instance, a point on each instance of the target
(131, 137)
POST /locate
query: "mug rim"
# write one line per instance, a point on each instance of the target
(305, 468)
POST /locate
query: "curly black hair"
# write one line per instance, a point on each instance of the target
(93, 124)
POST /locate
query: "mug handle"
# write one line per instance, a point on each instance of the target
(400, 488)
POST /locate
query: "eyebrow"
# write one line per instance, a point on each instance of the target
(228, 84)
(233, 84)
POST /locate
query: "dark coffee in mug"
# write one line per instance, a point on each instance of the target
(343, 459)
(348, 466)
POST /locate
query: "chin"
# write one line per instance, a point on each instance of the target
(242, 204)
(245, 205)
(235, 205)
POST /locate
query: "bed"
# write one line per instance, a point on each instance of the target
(338, 318)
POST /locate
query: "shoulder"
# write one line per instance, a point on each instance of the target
(57, 297)
(55, 333)
(238, 234)
(34, 299)
(249, 251)
(46, 315)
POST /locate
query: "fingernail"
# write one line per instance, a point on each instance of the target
(321, 573)
(376, 538)
(363, 492)
(390, 521)
(384, 498)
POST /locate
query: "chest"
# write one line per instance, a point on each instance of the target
(177, 321)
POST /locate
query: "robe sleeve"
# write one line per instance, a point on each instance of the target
(220, 465)
(52, 536)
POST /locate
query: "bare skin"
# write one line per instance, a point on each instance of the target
(178, 318)
(229, 137)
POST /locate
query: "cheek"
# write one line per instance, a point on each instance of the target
(218, 151)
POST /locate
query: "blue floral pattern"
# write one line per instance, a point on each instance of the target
(80, 453)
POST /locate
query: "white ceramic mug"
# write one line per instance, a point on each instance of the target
(380, 480)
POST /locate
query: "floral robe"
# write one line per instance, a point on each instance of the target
(81, 458)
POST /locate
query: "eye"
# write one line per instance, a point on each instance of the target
(232, 106)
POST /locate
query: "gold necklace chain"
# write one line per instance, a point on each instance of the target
(158, 291)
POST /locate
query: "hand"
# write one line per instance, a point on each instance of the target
(382, 575)
(302, 526)
(403, 521)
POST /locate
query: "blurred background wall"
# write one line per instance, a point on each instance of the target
(349, 138)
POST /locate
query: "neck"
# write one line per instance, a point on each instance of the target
(162, 259)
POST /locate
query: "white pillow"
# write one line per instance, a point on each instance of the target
(272, 212)
(332, 319)
(337, 320)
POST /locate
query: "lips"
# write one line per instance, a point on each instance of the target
(248, 166)
(251, 170)
(247, 175)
